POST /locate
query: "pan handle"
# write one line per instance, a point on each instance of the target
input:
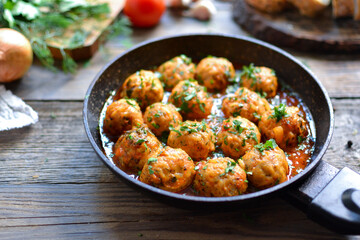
(331, 198)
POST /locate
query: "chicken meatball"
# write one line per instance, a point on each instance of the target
(172, 170)
(176, 70)
(195, 138)
(284, 124)
(192, 99)
(144, 87)
(219, 177)
(237, 136)
(134, 147)
(260, 79)
(159, 117)
(245, 103)
(214, 73)
(121, 116)
(266, 165)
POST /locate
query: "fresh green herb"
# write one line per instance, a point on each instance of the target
(279, 112)
(151, 171)
(130, 103)
(190, 96)
(270, 144)
(150, 160)
(257, 115)
(44, 23)
(300, 139)
(140, 141)
(225, 140)
(229, 168)
(155, 125)
(237, 126)
(171, 128)
(202, 107)
(185, 59)
(249, 71)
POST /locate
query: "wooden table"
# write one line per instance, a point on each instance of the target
(53, 186)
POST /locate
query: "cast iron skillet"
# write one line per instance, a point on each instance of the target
(332, 201)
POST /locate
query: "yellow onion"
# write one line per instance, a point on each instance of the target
(16, 55)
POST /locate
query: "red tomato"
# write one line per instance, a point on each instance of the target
(144, 13)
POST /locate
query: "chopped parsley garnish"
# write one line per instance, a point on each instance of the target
(150, 160)
(249, 71)
(202, 107)
(190, 96)
(150, 170)
(171, 128)
(257, 115)
(156, 126)
(270, 144)
(237, 126)
(279, 112)
(130, 103)
(140, 141)
(229, 168)
(185, 59)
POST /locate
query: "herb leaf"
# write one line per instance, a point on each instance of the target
(279, 112)
(270, 144)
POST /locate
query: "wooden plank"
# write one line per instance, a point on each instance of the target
(95, 28)
(56, 150)
(291, 29)
(111, 211)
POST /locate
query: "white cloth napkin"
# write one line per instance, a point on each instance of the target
(14, 113)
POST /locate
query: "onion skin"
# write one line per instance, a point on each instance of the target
(16, 55)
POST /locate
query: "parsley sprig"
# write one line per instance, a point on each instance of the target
(268, 145)
(249, 71)
(44, 22)
(279, 112)
(229, 167)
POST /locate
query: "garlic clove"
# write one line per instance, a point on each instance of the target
(201, 10)
(178, 3)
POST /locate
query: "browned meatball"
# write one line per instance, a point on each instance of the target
(171, 170)
(159, 117)
(284, 124)
(122, 115)
(192, 99)
(195, 138)
(237, 136)
(245, 103)
(219, 177)
(175, 70)
(260, 79)
(214, 73)
(144, 87)
(266, 165)
(134, 147)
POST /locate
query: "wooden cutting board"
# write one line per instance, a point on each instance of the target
(92, 42)
(290, 29)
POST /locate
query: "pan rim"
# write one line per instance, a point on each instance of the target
(309, 168)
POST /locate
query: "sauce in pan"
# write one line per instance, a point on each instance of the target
(297, 156)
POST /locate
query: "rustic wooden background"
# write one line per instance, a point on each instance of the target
(53, 186)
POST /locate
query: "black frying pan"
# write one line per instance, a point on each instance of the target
(329, 196)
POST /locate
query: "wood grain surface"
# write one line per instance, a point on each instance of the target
(290, 29)
(53, 185)
(95, 28)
